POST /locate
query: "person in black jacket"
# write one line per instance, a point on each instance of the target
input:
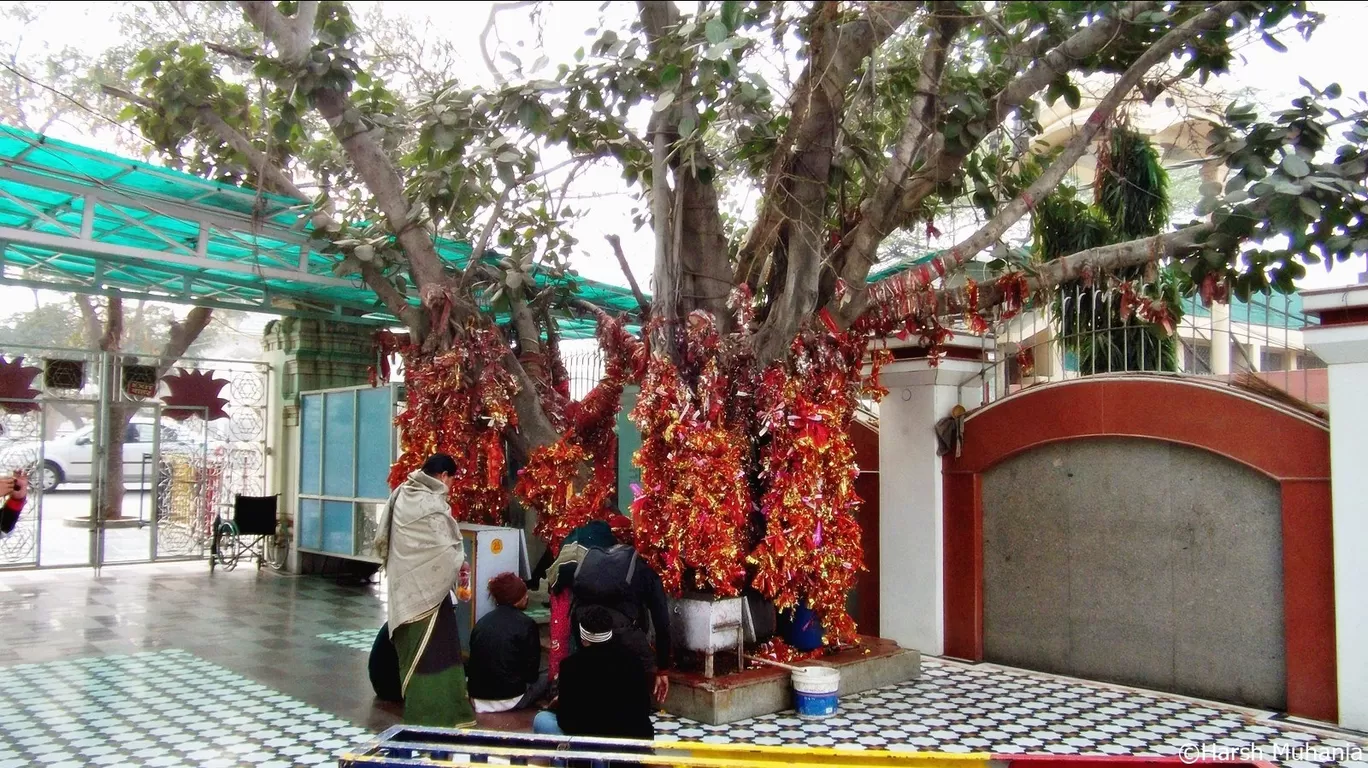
(504, 669)
(618, 580)
(605, 690)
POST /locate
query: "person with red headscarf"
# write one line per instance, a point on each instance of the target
(505, 652)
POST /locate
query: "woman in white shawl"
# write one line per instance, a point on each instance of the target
(419, 544)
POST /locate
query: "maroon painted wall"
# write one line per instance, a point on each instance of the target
(866, 600)
(1289, 448)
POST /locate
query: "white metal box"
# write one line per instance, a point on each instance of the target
(709, 625)
(490, 550)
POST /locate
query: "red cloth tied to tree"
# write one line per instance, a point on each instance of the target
(460, 402)
(692, 511)
(560, 632)
(811, 549)
(551, 483)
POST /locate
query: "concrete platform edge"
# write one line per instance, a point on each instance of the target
(775, 694)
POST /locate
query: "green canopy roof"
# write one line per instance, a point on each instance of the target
(79, 219)
(1276, 311)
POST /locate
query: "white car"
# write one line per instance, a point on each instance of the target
(68, 459)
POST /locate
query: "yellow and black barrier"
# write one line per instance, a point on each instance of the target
(411, 747)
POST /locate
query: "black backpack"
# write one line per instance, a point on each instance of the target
(604, 578)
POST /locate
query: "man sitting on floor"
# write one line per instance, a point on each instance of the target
(504, 670)
(605, 688)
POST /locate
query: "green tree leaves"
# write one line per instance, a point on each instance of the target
(1294, 193)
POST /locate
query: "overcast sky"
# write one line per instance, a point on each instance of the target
(1331, 56)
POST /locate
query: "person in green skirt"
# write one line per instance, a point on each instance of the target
(419, 545)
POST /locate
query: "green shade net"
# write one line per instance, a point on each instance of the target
(81, 219)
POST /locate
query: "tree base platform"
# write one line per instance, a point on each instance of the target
(754, 692)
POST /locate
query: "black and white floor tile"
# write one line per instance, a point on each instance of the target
(355, 639)
(171, 666)
(160, 708)
(961, 708)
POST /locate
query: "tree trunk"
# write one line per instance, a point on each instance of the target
(182, 335)
(704, 270)
(692, 267)
(120, 414)
(110, 495)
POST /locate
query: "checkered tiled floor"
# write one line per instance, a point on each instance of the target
(355, 639)
(160, 708)
(169, 666)
(961, 708)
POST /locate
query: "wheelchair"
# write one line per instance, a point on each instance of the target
(251, 534)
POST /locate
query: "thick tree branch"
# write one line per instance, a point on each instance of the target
(856, 40)
(113, 326)
(921, 122)
(529, 337)
(494, 10)
(1097, 261)
(138, 313)
(534, 428)
(645, 305)
(304, 19)
(293, 36)
(277, 28)
(657, 17)
(129, 96)
(248, 56)
(531, 370)
(943, 162)
(393, 299)
(271, 177)
(367, 154)
(803, 232)
(1065, 57)
(183, 335)
(693, 270)
(765, 230)
(90, 318)
(487, 233)
(665, 275)
(887, 298)
(1012, 212)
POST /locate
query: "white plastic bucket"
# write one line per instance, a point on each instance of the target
(815, 690)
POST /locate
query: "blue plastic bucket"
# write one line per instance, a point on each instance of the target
(815, 690)
(803, 631)
(814, 704)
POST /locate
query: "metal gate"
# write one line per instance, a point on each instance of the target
(191, 439)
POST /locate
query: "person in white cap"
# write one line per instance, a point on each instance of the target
(605, 689)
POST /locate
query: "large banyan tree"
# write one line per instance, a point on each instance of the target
(843, 122)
